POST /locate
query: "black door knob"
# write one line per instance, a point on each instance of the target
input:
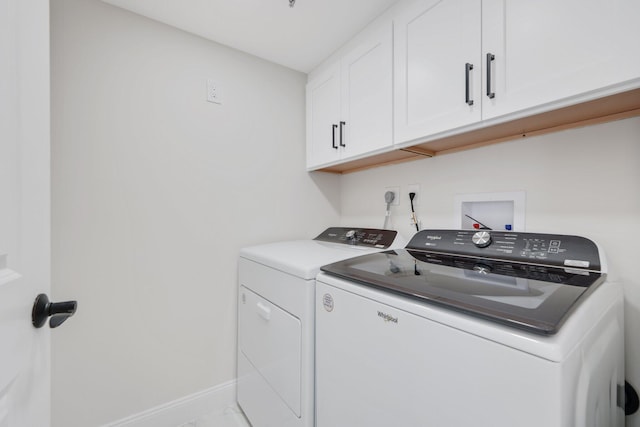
(58, 311)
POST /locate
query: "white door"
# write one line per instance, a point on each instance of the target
(367, 80)
(435, 89)
(24, 210)
(547, 50)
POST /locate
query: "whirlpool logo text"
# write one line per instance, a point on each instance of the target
(387, 317)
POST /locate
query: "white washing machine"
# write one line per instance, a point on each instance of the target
(276, 303)
(464, 328)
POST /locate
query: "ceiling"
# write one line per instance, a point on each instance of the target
(298, 37)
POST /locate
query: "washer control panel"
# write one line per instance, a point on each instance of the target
(371, 237)
(534, 248)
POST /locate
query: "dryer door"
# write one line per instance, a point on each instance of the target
(269, 339)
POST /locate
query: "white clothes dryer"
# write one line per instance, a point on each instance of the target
(276, 321)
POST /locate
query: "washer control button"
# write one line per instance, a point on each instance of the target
(481, 239)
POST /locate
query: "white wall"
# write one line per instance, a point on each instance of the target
(154, 191)
(582, 181)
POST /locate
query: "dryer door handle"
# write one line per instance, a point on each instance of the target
(264, 311)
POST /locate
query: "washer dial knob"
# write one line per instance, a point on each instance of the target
(482, 269)
(351, 235)
(481, 239)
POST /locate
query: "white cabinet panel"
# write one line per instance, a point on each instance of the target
(548, 50)
(434, 40)
(323, 115)
(349, 104)
(367, 103)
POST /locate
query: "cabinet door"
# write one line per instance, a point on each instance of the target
(367, 101)
(434, 40)
(547, 50)
(323, 117)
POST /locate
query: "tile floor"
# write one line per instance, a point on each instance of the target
(232, 416)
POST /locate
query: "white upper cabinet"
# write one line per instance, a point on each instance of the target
(430, 70)
(367, 87)
(437, 48)
(547, 50)
(323, 117)
(527, 57)
(349, 103)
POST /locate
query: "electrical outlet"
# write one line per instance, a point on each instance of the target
(396, 193)
(414, 188)
(214, 92)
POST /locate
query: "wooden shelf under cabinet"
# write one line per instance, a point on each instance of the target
(606, 109)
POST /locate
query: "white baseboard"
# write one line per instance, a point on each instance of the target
(183, 410)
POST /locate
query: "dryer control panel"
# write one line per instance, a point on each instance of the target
(555, 250)
(371, 237)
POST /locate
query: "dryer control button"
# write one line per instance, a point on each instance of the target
(481, 239)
